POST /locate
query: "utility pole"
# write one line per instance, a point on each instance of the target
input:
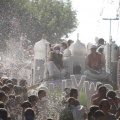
(110, 42)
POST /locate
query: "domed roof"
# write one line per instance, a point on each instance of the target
(40, 49)
(77, 48)
(67, 53)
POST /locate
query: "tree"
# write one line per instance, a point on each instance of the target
(55, 18)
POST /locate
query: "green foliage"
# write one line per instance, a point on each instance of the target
(55, 18)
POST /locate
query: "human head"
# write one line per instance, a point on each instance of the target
(10, 85)
(56, 48)
(26, 105)
(71, 101)
(93, 49)
(104, 105)
(41, 94)
(111, 94)
(101, 41)
(69, 42)
(2, 96)
(99, 115)
(3, 114)
(18, 90)
(29, 114)
(23, 83)
(102, 91)
(6, 89)
(14, 81)
(32, 99)
(63, 46)
(74, 93)
(93, 109)
(100, 84)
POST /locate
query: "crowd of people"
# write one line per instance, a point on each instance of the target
(18, 102)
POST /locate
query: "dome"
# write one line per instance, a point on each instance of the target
(40, 49)
(67, 53)
(77, 48)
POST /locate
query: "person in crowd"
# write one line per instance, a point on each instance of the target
(43, 105)
(111, 94)
(55, 63)
(99, 115)
(69, 42)
(24, 93)
(63, 46)
(29, 114)
(23, 83)
(4, 81)
(18, 90)
(24, 106)
(97, 93)
(11, 106)
(10, 85)
(102, 95)
(3, 97)
(66, 113)
(33, 101)
(93, 109)
(74, 93)
(79, 110)
(18, 109)
(105, 107)
(95, 63)
(9, 81)
(6, 89)
(14, 81)
(118, 113)
(3, 114)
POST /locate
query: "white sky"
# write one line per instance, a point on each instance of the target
(88, 14)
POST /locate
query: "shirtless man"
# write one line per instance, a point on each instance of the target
(94, 64)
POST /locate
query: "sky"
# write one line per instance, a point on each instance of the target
(88, 15)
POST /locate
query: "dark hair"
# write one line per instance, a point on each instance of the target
(14, 80)
(32, 98)
(9, 81)
(11, 96)
(3, 114)
(24, 89)
(71, 98)
(2, 105)
(17, 89)
(99, 113)
(40, 91)
(4, 81)
(102, 87)
(2, 94)
(4, 88)
(23, 82)
(111, 94)
(73, 91)
(93, 109)
(102, 102)
(29, 114)
(10, 85)
(64, 44)
(99, 85)
(26, 104)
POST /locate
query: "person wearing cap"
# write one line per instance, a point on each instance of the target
(94, 64)
(55, 63)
